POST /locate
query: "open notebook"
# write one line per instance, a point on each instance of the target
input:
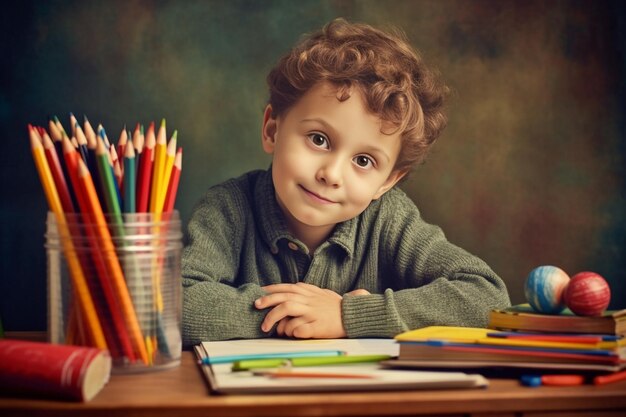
(223, 380)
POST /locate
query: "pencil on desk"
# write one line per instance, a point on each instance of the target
(608, 379)
(307, 361)
(269, 355)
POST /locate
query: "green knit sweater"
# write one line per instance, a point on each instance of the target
(237, 241)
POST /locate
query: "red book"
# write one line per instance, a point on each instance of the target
(59, 371)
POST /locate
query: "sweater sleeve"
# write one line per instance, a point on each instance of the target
(215, 305)
(427, 281)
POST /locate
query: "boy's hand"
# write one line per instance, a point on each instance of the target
(303, 311)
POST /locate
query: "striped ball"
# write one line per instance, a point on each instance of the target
(588, 294)
(545, 287)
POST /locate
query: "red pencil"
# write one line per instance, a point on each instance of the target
(607, 379)
(172, 187)
(56, 170)
(144, 178)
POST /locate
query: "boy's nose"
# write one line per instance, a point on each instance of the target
(330, 174)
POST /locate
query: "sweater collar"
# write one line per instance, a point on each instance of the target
(274, 226)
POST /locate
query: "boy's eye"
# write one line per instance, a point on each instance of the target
(363, 161)
(318, 140)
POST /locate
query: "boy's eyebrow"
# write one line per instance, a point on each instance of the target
(370, 149)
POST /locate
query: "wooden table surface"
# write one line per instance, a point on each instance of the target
(182, 391)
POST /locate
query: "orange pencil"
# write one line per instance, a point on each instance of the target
(76, 273)
(95, 235)
(172, 187)
(610, 378)
(145, 171)
(112, 262)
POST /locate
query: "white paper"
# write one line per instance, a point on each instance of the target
(223, 380)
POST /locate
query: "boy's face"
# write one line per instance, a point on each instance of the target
(330, 159)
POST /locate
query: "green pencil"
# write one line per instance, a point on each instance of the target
(310, 361)
(129, 179)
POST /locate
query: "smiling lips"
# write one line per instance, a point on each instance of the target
(316, 197)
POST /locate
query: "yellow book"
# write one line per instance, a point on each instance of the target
(472, 335)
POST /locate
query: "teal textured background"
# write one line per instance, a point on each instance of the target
(530, 170)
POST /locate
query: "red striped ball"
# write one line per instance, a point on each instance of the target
(587, 294)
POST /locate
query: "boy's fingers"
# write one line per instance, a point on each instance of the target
(286, 309)
(304, 331)
(292, 324)
(277, 298)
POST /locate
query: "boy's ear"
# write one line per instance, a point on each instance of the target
(268, 132)
(392, 180)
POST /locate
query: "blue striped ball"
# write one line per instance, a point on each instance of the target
(545, 287)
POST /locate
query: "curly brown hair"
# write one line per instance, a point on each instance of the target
(395, 82)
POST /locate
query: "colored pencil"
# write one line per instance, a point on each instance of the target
(610, 378)
(170, 155)
(59, 126)
(122, 141)
(145, 171)
(90, 134)
(57, 174)
(107, 182)
(55, 133)
(82, 143)
(112, 262)
(76, 272)
(129, 183)
(95, 234)
(158, 168)
(73, 124)
(172, 187)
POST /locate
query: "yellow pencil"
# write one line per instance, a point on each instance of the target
(159, 167)
(170, 155)
(78, 278)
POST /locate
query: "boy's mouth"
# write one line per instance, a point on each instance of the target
(316, 197)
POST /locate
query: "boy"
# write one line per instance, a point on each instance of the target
(322, 244)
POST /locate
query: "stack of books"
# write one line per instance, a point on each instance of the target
(522, 317)
(519, 338)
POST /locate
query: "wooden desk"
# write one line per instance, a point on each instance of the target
(182, 391)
